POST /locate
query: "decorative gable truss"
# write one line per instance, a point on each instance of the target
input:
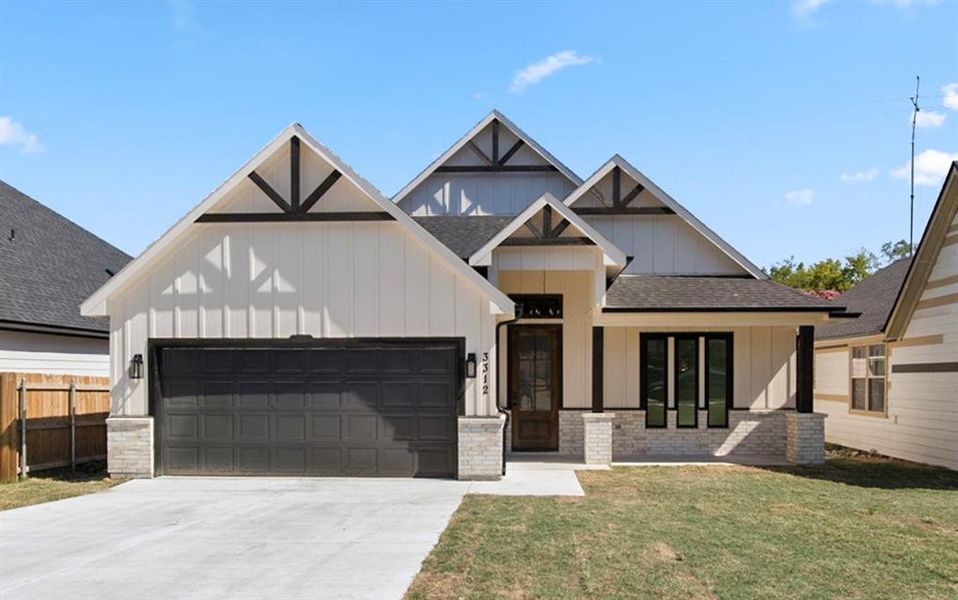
(291, 207)
(608, 199)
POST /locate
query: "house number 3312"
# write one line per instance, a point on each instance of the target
(484, 371)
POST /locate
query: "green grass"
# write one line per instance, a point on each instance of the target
(47, 486)
(859, 527)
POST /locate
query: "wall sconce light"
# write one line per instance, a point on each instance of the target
(136, 367)
(471, 365)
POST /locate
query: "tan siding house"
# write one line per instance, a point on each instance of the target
(298, 322)
(889, 380)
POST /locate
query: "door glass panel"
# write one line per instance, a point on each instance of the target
(544, 399)
(535, 371)
(655, 370)
(526, 372)
(687, 381)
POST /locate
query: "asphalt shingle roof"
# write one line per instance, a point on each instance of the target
(874, 298)
(50, 266)
(700, 293)
(464, 235)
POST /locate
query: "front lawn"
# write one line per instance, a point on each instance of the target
(47, 486)
(859, 527)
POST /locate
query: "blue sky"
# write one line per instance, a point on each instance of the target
(781, 125)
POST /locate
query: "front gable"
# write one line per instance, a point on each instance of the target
(291, 194)
(495, 169)
(661, 235)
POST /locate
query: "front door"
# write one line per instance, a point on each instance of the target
(535, 383)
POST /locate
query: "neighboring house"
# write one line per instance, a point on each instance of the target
(48, 266)
(888, 381)
(298, 322)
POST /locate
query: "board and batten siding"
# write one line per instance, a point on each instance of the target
(328, 280)
(664, 244)
(764, 365)
(28, 352)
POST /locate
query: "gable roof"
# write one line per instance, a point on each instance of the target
(464, 234)
(656, 293)
(874, 297)
(495, 115)
(612, 254)
(936, 234)
(49, 267)
(670, 202)
(95, 304)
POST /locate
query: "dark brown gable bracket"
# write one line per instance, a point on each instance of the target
(294, 210)
(495, 163)
(620, 203)
(548, 235)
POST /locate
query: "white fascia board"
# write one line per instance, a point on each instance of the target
(97, 301)
(611, 255)
(461, 142)
(669, 201)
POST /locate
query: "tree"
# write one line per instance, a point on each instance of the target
(826, 275)
(894, 251)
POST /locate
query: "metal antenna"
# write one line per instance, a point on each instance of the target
(914, 122)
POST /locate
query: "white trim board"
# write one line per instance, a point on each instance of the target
(96, 304)
(669, 201)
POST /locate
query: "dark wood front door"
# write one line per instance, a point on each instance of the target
(535, 382)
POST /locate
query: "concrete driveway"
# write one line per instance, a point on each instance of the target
(227, 538)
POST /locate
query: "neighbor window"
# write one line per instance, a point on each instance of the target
(868, 379)
(676, 364)
(654, 379)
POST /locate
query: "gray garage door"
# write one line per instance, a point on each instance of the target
(353, 408)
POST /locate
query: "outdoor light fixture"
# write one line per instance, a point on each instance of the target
(136, 367)
(471, 365)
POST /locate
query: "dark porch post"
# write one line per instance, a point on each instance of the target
(598, 352)
(805, 365)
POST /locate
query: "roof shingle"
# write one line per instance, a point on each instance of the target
(49, 265)
(874, 297)
(464, 235)
(702, 293)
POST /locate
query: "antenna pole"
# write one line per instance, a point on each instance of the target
(914, 122)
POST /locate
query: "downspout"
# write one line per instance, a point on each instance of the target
(499, 407)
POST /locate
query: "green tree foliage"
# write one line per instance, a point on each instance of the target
(827, 274)
(892, 251)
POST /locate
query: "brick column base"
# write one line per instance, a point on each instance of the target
(597, 438)
(805, 438)
(480, 447)
(129, 446)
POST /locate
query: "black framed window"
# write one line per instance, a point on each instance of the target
(654, 379)
(687, 381)
(687, 374)
(718, 378)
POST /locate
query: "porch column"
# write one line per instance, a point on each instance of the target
(598, 355)
(805, 367)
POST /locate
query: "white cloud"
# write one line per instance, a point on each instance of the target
(906, 3)
(12, 133)
(860, 176)
(803, 9)
(931, 166)
(800, 197)
(183, 14)
(930, 118)
(951, 95)
(538, 71)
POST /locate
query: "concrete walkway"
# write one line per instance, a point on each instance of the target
(242, 538)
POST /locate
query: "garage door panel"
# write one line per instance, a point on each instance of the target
(289, 428)
(354, 408)
(218, 427)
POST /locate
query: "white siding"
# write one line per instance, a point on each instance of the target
(764, 365)
(27, 352)
(366, 279)
(663, 244)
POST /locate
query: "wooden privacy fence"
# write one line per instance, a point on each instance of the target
(49, 421)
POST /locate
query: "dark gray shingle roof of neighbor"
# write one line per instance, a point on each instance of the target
(874, 298)
(50, 266)
(702, 293)
(464, 235)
